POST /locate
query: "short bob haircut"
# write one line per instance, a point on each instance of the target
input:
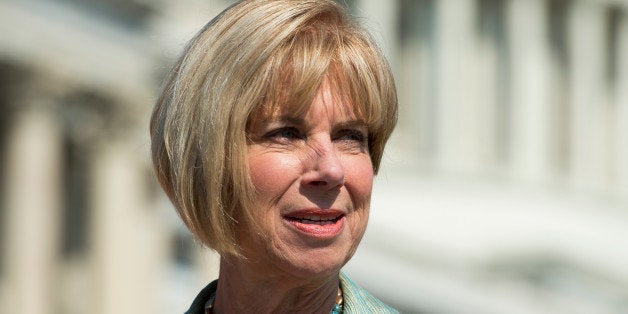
(255, 57)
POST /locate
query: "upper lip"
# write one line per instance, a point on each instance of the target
(315, 214)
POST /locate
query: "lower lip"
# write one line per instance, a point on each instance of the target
(320, 231)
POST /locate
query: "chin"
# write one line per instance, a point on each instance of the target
(313, 269)
(317, 262)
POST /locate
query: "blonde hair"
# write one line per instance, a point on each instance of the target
(255, 56)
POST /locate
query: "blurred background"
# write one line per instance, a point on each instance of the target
(503, 190)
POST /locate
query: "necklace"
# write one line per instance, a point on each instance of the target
(338, 306)
(209, 305)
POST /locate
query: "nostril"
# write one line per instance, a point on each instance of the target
(326, 169)
(322, 179)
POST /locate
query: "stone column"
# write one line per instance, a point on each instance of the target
(458, 119)
(33, 217)
(590, 113)
(621, 103)
(530, 88)
(130, 244)
(415, 85)
(491, 86)
(381, 20)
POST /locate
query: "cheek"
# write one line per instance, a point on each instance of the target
(272, 174)
(359, 180)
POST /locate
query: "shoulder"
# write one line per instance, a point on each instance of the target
(358, 300)
(198, 306)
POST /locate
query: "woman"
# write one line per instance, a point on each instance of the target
(266, 139)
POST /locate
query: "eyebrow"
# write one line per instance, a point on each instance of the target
(351, 124)
(341, 125)
(288, 119)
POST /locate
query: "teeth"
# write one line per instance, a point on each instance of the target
(316, 218)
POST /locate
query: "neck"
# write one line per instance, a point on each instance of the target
(245, 289)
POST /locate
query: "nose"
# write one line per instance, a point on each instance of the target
(325, 169)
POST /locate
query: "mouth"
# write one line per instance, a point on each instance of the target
(321, 224)
(315, 220)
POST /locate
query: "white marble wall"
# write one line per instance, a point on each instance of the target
(33, 220)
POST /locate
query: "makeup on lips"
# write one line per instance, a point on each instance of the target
(317, 223)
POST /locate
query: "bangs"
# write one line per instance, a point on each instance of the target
(342, 58)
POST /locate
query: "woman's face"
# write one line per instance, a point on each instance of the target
(313, 177)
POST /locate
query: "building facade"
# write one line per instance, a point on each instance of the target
(503, 190)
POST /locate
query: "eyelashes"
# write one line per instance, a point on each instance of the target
(285, 134)
(290, 134)
(352, 135)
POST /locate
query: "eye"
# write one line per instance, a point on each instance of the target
(352, 135)
(285, 133)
